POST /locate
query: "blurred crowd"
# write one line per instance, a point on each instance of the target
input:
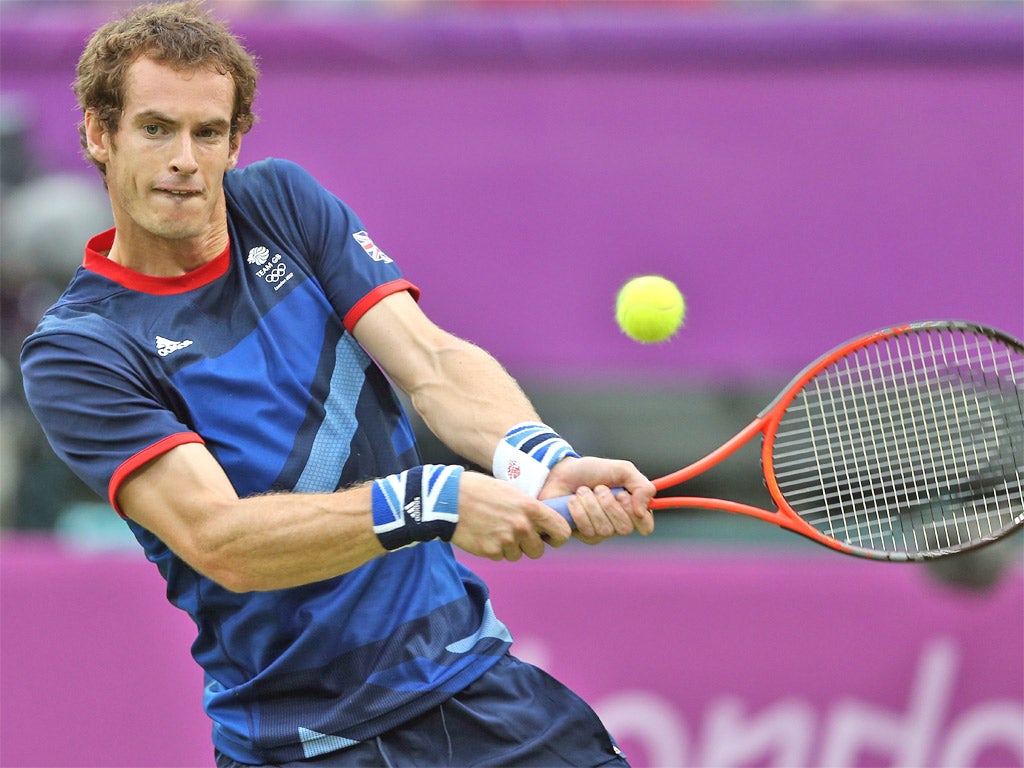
(41, 246)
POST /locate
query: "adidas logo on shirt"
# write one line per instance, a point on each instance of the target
(164, 347)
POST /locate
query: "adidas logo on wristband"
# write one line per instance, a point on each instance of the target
(419, 504)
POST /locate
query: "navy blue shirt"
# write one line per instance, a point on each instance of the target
(252, 355)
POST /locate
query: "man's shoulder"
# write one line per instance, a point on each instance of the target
(84, 301)
(271, 171)
(76, 327)
(272, 188)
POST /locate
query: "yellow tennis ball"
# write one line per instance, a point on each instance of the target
(649, 308)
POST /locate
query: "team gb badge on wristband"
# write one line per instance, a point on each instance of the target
(526, 454)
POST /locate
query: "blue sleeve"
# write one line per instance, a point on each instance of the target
(99, 414)
(350, 267)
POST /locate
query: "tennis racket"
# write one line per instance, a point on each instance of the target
(903, 444)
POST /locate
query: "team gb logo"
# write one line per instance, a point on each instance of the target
(259, 255)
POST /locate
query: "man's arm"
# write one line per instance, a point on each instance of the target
(469, 401)
(281, 540)
(259, 543)
(463, 394)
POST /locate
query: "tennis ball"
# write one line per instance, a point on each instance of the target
(649, 308)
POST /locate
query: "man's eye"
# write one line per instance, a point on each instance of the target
(151, 130)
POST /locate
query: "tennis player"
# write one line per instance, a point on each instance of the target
(219, 369)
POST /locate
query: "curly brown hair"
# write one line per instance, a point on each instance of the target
(181, 34)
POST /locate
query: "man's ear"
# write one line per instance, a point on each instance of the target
(236, 148)
(97, 138)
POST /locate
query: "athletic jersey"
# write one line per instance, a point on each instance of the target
(252, 355)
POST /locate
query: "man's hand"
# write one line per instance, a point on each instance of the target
(598, 513)
(500, 522)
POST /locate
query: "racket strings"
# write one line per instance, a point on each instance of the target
(912, 445)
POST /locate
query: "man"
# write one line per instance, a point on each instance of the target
(219, 369)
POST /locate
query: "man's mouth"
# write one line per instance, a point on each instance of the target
(183, 193)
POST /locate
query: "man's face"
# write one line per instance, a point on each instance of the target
(167, 160)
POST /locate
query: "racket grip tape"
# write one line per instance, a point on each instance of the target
(561, 505)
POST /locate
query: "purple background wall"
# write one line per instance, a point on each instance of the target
(803, 179)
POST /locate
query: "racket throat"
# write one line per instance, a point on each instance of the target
(721, 453)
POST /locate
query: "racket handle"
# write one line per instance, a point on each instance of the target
(561, 505)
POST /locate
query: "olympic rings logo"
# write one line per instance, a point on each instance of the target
(275, 274)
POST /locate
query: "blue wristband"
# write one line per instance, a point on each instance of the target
(419, 504)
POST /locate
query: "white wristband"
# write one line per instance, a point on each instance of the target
(526, 454)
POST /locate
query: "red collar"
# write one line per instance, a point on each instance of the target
(96, 261)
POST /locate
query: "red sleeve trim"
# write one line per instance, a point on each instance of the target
(364, 304)
(143, 456)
